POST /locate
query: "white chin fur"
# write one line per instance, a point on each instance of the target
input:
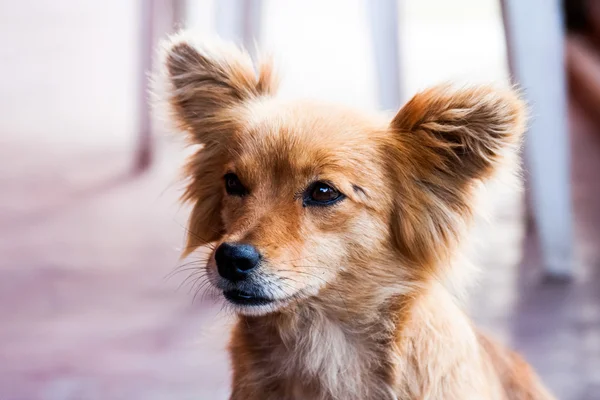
(257, 311)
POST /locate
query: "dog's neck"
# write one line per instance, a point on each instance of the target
(320, 351)
(339, 348)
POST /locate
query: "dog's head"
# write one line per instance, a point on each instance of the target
(303, 198)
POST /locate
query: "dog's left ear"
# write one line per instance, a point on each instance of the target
(445, 140)
(461, 134)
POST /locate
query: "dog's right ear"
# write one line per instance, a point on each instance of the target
(205, 80)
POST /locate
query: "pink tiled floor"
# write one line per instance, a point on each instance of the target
(87, 309)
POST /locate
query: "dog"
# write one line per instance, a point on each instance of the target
(335, 232)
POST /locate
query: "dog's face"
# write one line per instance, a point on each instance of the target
(304, 195)
(304, 199)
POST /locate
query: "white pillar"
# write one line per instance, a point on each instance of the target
(239, 21)
(535, 36)
(384, 29)
(143, 156)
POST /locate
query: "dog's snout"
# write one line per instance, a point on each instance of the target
(236, 260)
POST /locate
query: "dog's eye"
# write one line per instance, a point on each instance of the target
(322, 194)
(233, 186)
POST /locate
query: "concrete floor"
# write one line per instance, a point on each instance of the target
(87, 310)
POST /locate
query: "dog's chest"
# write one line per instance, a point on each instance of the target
(323, 361)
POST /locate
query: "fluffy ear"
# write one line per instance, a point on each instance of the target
(205, 79)
(461, 134)
(445, 141)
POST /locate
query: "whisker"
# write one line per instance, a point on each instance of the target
(295, 271)
(295, 260)
(203, 241)
(180, 268)
(200, 288)
(195, 276)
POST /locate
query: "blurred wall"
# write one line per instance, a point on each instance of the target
(68, 70)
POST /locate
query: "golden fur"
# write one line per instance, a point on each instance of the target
(359, 311)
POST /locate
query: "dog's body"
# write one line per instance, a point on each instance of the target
(432, 353)
(336, 229)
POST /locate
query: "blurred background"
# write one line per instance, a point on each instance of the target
(90, 225)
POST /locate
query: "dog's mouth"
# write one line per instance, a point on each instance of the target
(242, 298)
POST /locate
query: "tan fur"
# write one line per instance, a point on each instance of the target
(359, 311)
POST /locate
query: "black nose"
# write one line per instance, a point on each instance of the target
(236, 260)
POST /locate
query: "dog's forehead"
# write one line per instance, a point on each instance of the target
(304, 136)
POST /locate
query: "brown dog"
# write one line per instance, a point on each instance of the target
(334, 230)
